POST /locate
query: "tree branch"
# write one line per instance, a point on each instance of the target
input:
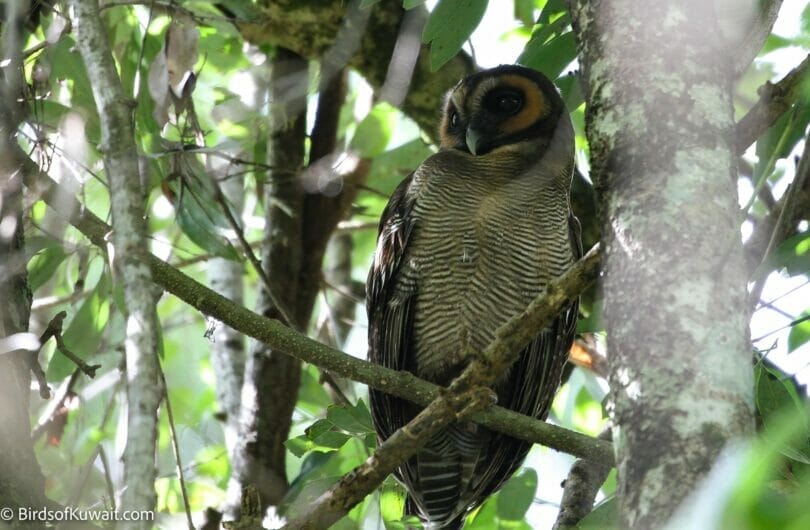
(468, 392)
(774, 100)
(276, 335)
(761, 27)
(580, 489)
(290, 24)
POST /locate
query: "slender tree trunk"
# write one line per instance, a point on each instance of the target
(660, 127)
(21, 481)
(130, 249)
(272, 378)
(228, 348)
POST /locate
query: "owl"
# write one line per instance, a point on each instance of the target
(465, 243)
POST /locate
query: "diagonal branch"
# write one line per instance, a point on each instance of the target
(774, 100)
(276, 335)
(465, 394)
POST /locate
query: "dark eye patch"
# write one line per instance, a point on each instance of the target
(454, 119)
(505, 101)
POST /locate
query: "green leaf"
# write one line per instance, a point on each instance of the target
(320, 436)
(605, 516)
(389, 168)
(43, 265)
(551, 10)
(571, 91)
(775, 391)
(85, 331)
(799, 333)
(793, 254)
(780, 139)
(67, 64)
(373, 133)
(484, 518)
(517, 495)
(354, 420)
(450, 24)
(805, 24)
(550, 57)
(775, 42)
(197, 211)
(543, 31)
(524, 12)
(410, 4)
(364, 4)
(392, 504)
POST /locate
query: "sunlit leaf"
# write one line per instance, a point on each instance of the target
(485, 517)
(43, 265)
(392, 503)
(373, 133)
(517, 495)
(799, 333)
(604, 516)
(450, 24)
(524, 11)
(550, 57)
(793, 255)
(410, 4)
(354, 420)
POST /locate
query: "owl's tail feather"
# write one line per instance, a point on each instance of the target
(455, 524)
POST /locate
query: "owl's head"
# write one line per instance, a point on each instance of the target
(508, 105)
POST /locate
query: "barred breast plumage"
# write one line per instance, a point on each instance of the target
(466, 242)
(485, 246)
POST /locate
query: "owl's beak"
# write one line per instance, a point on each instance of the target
(473, 140)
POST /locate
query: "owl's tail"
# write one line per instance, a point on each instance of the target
(455, 524)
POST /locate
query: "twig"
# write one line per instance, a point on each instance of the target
(774, 100)
(276, 335)
(56, 408)
(747, 49)
(88, 369)
(251, 256)
(791, 207)
(54, 330)
(580, 488)
(176, 450)
(105, 464)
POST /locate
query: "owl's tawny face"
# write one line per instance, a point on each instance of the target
(502, 106)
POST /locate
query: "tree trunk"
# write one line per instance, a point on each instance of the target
(660, 128)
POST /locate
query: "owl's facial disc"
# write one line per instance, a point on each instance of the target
(503, 106)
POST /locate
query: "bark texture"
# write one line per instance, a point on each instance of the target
(21, 481)
(311, 28)
(130, 251)
(271, 381)
(660, 127)
(228, 347)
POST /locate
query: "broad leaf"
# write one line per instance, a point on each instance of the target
(450, 24)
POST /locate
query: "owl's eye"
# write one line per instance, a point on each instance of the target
(454, 119)
(505, 102)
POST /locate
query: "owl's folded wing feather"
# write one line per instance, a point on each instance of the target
(390, 313)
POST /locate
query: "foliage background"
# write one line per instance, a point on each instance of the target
(79, 445)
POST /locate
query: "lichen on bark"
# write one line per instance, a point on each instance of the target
(660, 128)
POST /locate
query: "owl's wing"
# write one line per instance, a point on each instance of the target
(530, 387)
(390, 309)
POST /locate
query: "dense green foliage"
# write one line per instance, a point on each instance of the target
(219, 124)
